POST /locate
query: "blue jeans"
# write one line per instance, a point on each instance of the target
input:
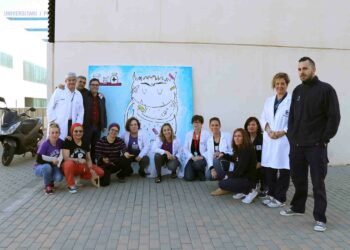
(221, 167)
(50, 174)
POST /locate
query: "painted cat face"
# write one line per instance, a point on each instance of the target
(154, 90)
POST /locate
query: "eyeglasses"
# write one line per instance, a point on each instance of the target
(78, 131)
(115, 130)
(94, 85)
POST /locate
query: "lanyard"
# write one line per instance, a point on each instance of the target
(196, 140)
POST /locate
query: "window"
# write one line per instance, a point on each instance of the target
(34, 102)
(6, 60)
(34, 73)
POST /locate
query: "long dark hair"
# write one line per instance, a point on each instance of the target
(250, 119)
(246, 140)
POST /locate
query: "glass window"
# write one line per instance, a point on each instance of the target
(34, 102)
(6, 60)
(34, 73)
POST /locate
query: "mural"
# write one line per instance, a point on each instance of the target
(153, 94)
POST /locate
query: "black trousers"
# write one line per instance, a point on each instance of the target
(195, 169)
(300, 160)
(162, 160)
(143, 163)
(91, 135)
(262, 179)
(109, 169)
(277, 181)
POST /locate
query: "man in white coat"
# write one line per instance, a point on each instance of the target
(66, 106)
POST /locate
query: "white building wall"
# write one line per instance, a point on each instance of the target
(22, 46)
(234, 47)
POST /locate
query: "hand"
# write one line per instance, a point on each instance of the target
(138, 158)
(69, 138)
(194, 158)
(258, 165)
(127, 155)
(217, 155)
(226, 177)
(60, 86)
(169, 155)
(81, 161)
(213, 173)
(105, 160)
(273, 135)
(55, 162)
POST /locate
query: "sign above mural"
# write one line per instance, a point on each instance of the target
(153, 94)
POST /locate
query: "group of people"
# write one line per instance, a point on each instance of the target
(256, 160)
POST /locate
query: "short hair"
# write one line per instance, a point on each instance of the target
(82, 77)
(128, 122)
(280, 75)
(198, 118)
(94, 80)
(215, 119)
(246, 140)
(70, 75)
(162, 136)
(306, 58)
(249, 120)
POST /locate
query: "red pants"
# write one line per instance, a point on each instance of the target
(71, 169)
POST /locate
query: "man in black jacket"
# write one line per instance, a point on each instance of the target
(95, 116)
(313, 120)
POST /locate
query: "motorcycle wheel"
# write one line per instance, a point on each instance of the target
(7, 155)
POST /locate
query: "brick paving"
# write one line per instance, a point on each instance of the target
(175, 214)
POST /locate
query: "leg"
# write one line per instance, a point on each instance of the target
(70, 169)
(159, 161)
(189, 172)
(95, 136)
(237, 185)
(44, 170)
(219, 166)
(282, 185)
(271, 178)
(106, 178)
(144, 163)
(317, 157)
(172, 166)
(199, 168)
(57, 174)
(299, 174)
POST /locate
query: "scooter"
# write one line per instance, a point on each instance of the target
(19, 133)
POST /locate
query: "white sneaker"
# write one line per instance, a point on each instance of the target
(320, 226)
(275, 203)
(238, 196)
(250, 197)
(267, 200)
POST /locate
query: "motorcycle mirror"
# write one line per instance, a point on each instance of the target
(2, 99)
(32, 109)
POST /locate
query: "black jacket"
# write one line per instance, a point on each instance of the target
(245, 163)
(88, 100)
(314, 114)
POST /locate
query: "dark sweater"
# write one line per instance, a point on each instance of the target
(113, 151)
(314, 114)
(257, 143)
(245, 163)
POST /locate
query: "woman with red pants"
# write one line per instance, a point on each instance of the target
(77, 160)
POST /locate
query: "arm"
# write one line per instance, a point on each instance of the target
(50, 111)
(291, 116)
(156, 147)
(146, 147)
(333, 115)
(80, 108)
(243, 163)
(185, 148)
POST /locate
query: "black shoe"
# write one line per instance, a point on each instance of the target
(142, 173)
(202, 178)
(121, 179)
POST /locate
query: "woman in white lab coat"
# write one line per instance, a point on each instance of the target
(275, 152)
(166, 149)
(138, 146)
(195, 149)
(218, 143)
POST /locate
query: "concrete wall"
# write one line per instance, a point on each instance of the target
(234, 47)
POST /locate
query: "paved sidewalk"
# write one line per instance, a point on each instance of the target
(175, 214)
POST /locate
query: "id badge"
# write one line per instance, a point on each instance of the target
(135, 146)
(216, 148)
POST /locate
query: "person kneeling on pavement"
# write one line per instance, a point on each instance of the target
(77, 159)
(109, 155)
(242, 181)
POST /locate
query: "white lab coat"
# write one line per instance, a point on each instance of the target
(275, 152)
(142, 140)
(224, 147)
(156, 148)
(61, 103)
(187, 148)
